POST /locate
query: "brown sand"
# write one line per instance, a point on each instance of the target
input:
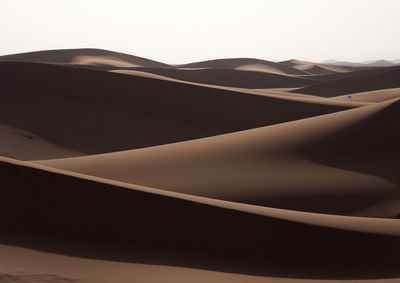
(253, 166)
(382, 80)
(314, 68)
(210, 172)
(90, 57)
(78, 109)
(247, 64)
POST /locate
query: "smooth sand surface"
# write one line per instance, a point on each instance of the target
(96, 112)
(246, 64)
(371, 96)
(366, 82)
(27, 265)
(233, 77)
(116, 168)
(156, 226)
(314, 68)
(252, 167)
(88, 56)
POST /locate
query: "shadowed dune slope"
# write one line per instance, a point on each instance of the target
(358, 72)
(92, 111)
(89, 57)
(248, 64)
(206, 233)
(370, 146)
(233, 78)
(342, 163)
(382, 80)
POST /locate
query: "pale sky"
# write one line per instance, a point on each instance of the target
(180, 31)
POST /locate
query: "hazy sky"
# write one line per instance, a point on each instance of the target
(180, 31)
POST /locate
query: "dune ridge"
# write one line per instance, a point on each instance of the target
(83, 56)
(155, 111)
(180, 221)
(382, 80)
(252, 166)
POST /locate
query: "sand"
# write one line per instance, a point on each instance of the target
(314, 68)
(116, 168)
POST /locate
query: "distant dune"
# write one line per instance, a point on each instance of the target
(88, 56)
(245, 64)
(388, 79)
(314, 68)
(234, 78)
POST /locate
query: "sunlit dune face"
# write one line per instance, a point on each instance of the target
(102, 60)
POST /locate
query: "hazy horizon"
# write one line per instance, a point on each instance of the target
(180, 32)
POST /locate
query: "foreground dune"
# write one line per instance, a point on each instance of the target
(253, 166)
(155, 226)
(92, 111)
(44, 267)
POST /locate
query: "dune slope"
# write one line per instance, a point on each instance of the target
(322, 164)
(247, 64)
(85, 57)
(233, 78)
(382, 80)
(92, 111)
(160, 227)
(314, 68)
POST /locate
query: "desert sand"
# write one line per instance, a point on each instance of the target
(116, 168)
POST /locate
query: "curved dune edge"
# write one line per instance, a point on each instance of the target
(101, 100)
(253, 167)
(359, 224)
(47, 266)
(274, 93)
(370, 96)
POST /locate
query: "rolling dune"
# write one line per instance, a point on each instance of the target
(382, 80)
(314, 68)
(117, 168)
(371, 96)
(253, 166)
(92, 111)
(166, 228)
(88, 56)
(234, 78)
(246, 64)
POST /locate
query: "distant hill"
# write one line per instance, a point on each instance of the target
(84, 57)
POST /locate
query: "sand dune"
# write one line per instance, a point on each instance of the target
(246, 64)
(231, 170)
(234, 78)
(79, 109)
(371, 96)
(382, 80)
(47, 266)
(314, 68)
(253, 166)
(88, 56)
(192, 231)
